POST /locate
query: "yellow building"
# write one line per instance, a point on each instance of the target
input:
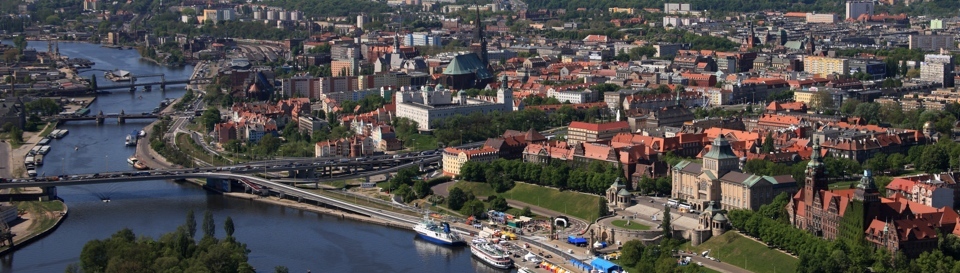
(803, 96)
(719, 180)
(823, 66)
(454, 158)
(630, 11)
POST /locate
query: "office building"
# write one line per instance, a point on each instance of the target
(857, 8)
(937, 69)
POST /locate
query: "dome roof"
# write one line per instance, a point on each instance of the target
(623, 192)
(719, 218)
(927, 124)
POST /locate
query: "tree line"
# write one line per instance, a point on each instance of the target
(594, 178)
(177, 251)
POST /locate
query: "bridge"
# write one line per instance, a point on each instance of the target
(101, 117)
(163, 84)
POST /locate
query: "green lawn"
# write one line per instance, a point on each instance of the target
(632, 225)
(583, 206)
(477, 188)
(48, 129)
(420, 142)
(733, 248)
(843, 185)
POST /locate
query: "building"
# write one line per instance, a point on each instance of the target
(927, 189)
(938, 69)
(618, 198)
(676, 8)
(573, 96)
(422, 39)
(356, 146)
(579, 132)
(512, 143)
(857, 8)
(431, 105)
(345, 68)
(454, 158)
(823, 66)
(822, 18)
(931, 42)
(719, 180)
(91, 5)
(466, 71)
(310, 124)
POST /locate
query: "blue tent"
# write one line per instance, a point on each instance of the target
(576, 240)
(604, 265)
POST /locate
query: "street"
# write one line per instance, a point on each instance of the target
(5, 160)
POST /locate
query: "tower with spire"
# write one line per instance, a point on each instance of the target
(479, 41)
(816, 176)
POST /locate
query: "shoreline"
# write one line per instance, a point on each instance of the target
(32, 237)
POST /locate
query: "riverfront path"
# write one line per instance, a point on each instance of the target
(5, 160)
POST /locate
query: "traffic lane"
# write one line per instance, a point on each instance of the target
(5, 159)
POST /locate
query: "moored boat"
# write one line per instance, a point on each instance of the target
(438, 233)
(490, 253)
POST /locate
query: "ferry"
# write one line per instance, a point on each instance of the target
(490, 253)
(438, 233)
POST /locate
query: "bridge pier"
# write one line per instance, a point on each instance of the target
(121, 120)
(51, 193)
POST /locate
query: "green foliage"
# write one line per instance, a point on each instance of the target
(43, 107)
(172, 252)
(209, 228)
(405, 192)
(228, 226)
(20, 42)
(456, 199)
(281, 269)
(473, 208)
(593, 178)
(422, 189)
(191, 224)
(316, 8)
(498, 203)
(763, 167)
(602, 209)
(210, 118)
(767, 146)
(665, 224)
(526, 212)
(367, 104)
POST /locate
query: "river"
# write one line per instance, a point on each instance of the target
(276, 235)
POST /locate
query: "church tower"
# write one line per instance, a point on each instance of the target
(479, 41)
(505, 95)
(816, 178)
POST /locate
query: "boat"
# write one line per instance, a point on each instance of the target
(147, 88)
(132, 160)
(32, 173)
(38, 160)
(76, 148)
(438, 233)
(131, 141)
(140, 166)
(44, 150)
(142, 134)
(490, 253)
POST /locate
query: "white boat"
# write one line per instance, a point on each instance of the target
(490, 253)
(32, 173)
(438, 233)
(131, 141)
(142, 134)
(44, 150)
(132, 160)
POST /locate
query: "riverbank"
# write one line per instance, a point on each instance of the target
(39, 220)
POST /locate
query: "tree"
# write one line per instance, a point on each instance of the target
(768, 143)
(10, 55)
(93, 82)
(210, 117)
(422, 189)
(822, 100)
(913, 73)
(281, 269)
(526, 212)
(473, 208)
(16, 135)
(20, 42)
(191, 224)
(631, 253)
(209, 228)
(228, 226)
(665, 224)
(456, 199)
(499, 204)
(602, 209)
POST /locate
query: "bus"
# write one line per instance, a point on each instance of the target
(672, 203)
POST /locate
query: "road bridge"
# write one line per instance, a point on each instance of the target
(101, 117)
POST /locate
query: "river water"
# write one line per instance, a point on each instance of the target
(301, 241)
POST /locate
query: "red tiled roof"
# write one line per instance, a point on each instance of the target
(597, 127)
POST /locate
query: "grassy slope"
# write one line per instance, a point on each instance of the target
(733, 248)
(633, 225)
(583, 206)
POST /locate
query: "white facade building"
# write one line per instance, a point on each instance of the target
(426, 106)
(857, 8)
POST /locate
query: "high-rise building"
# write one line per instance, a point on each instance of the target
(857, 8)
(823, 66)
(930, 42)
(937, 68)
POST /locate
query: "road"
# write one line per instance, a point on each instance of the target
(718, 266)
